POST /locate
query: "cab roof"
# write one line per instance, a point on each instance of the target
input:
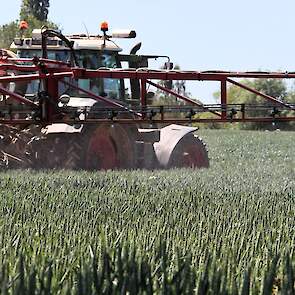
(79, 42)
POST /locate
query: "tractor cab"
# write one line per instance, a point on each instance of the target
(91, 52)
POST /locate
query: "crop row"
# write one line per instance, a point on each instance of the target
(229, 229)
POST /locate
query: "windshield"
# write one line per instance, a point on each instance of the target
(60, 55)
(90, 59)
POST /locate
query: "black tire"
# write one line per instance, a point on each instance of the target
(56, 151)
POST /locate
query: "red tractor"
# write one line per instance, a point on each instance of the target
(57, 111)
(64, 105)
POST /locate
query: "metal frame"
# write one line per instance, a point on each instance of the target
(53, 72)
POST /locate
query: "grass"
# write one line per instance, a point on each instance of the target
(229, 229)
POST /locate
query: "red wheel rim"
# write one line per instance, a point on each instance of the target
(191, 157)
(110, 147)
(101, 151)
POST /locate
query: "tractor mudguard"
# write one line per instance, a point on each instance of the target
(170, 136)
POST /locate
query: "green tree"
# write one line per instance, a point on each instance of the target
(35, 13)
(7, 33)
(36, 8)
(178, 86)
(163, 98)
(273, 87)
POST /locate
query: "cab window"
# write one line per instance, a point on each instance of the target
(90, 59)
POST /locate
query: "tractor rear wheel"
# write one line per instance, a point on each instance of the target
(111, 147)
(100, 148)
(56, 151)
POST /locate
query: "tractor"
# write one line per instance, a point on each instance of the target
(65, 105)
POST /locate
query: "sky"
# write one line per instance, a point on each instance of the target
(197, 35)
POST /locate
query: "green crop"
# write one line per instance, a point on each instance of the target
(229, 229)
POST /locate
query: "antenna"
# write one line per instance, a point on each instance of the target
(86, 29)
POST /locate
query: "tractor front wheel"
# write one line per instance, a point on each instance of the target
(190, 152)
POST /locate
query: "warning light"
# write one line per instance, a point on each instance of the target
(23, 25)
(104, 26)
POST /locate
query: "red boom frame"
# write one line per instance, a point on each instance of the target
(53, 72)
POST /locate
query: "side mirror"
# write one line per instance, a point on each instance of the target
(168, 65)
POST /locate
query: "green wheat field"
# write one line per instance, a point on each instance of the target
(229, 229)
